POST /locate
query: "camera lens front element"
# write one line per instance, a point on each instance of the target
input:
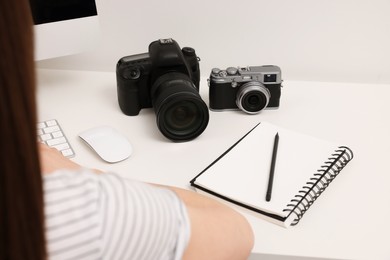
(252, 97)
(181, 114)
(181, 120)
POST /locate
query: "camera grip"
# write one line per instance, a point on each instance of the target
(128, 98)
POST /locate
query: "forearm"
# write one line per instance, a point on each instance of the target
(217, 231)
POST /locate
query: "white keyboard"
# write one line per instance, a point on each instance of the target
(50, 133)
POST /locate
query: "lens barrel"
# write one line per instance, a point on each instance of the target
(181, 114)
(252, 97)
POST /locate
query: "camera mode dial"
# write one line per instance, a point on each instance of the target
(188, 51)
(231, 71)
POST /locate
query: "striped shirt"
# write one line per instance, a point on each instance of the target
(103, 216)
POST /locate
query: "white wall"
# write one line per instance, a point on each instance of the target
(322, 40)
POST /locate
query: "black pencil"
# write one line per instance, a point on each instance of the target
(272, 169)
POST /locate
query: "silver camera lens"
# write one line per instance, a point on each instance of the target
(252, 97)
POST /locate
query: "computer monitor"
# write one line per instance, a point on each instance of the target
(64, 27)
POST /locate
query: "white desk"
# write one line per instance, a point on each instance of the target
(348, 221)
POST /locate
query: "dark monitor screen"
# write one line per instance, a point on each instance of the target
(47, 11)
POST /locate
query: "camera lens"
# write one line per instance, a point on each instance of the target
(252, 97)
(181, 118)
(181, 114)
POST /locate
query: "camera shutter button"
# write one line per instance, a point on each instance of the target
(231, 71)
(215, 71)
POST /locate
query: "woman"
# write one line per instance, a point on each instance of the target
(71, 212)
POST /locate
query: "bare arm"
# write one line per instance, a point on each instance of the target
(217, 231)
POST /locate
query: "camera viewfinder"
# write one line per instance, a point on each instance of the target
(270, 78)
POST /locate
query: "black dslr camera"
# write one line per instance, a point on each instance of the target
(250, 89)
(167, 79)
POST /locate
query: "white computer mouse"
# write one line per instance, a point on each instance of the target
(108, 143)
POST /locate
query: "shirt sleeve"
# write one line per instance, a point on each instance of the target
(104, 216)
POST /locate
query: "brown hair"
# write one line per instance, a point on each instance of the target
(21, 197)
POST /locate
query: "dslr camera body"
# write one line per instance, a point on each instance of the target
(167, 79)
(250, 89)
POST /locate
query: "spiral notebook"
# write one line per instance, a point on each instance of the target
(304, 168)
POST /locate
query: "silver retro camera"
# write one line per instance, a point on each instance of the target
(250, 89)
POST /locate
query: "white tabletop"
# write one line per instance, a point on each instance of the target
(348, 221)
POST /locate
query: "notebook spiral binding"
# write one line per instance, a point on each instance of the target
(318, 183)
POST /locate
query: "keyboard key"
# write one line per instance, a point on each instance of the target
(61, 147)
(51, 129)
(51, 122)
(57, 134)
(41, 125)
(56, 141)
(67, 153)
(45, 137)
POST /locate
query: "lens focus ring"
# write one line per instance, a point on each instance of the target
(252, 97)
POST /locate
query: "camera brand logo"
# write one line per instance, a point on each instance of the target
(166, 41)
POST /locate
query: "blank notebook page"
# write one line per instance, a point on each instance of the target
(242, 174)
